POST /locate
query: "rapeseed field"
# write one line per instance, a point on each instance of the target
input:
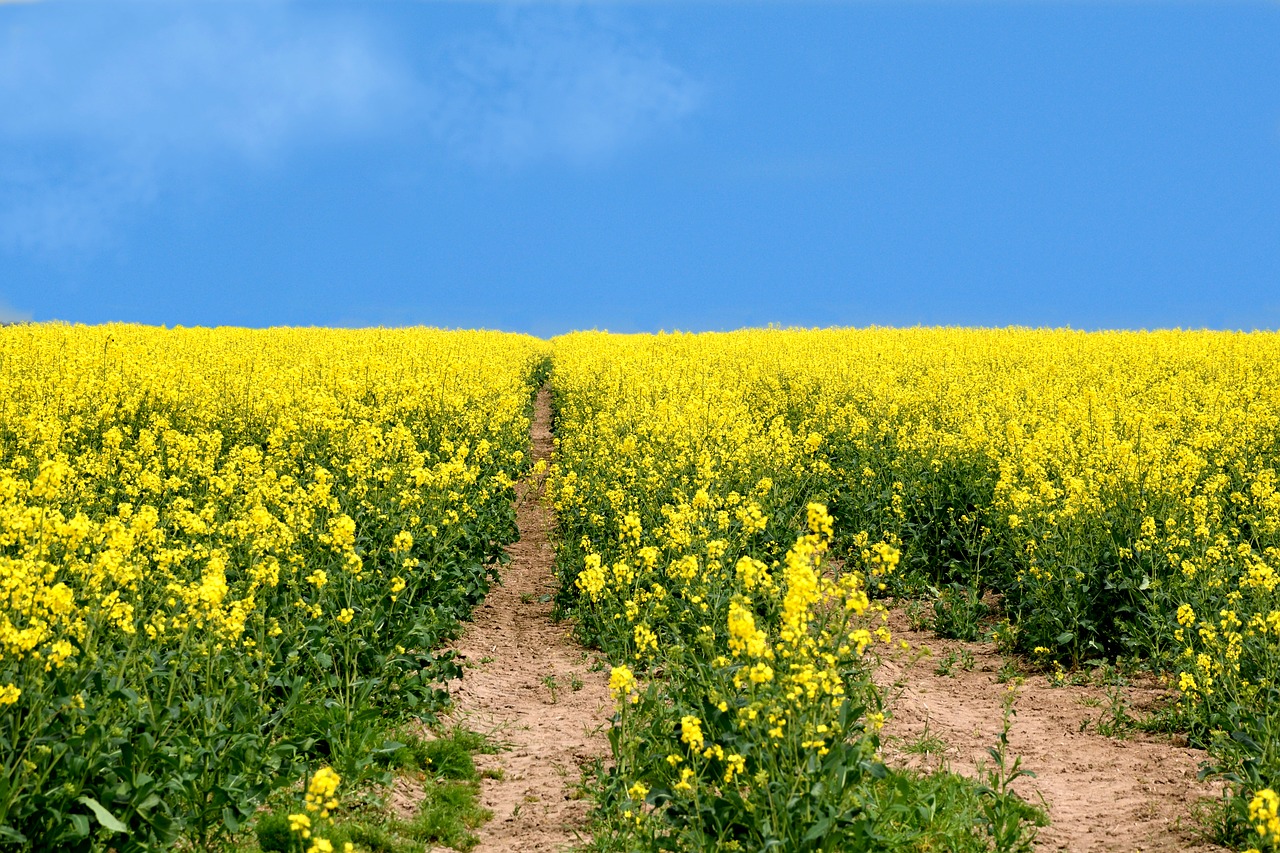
(229, 557)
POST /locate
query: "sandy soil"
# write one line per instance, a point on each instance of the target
(530, 686)
(1103, 793)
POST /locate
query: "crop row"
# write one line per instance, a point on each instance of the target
(1116, 492)
(696, 550)
(228, 557)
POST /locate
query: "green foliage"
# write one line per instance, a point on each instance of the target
(1115, 721)
(1010, 822)
(447, 815)
(274, 835)
(441, 763)
(961, 658)
(926, 744)
(958, 612)
(448, 756)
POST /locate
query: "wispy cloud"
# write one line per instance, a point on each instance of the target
(53, 208)
(99, 110)
(555, 86)
(103, 111)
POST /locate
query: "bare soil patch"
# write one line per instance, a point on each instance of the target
(1103, 793)
(532, 688)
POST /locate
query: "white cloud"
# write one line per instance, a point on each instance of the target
(218, 80)
(99, 111)
(555, 88)
(105, 109)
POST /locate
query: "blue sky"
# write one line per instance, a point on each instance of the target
(544, 167)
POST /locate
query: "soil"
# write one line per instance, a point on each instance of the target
(1132, 792)
(537, 693)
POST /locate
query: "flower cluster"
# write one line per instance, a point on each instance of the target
(1264, 814)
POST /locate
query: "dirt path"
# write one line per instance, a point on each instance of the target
(529, 685)
(1104, 793)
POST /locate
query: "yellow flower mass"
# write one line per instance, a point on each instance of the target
(225, 525)
(1117, 491)
(198, 532)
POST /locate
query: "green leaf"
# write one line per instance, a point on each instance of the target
(79, 824)
(818, 830)
(8, 833)
(1065, 637)
(104, 817)
(1243, 738)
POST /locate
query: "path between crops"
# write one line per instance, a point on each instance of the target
(1104, 793)
(529, 685)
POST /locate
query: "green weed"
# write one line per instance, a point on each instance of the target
(962, 658)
